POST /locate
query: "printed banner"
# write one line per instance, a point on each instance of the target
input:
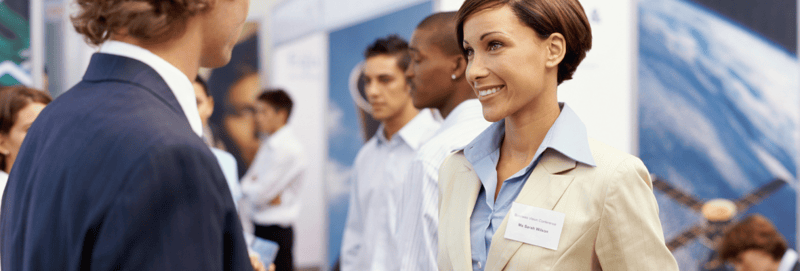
(718, 118)
(15, 43)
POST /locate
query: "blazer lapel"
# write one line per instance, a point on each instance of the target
(543, 189)
(469, 185)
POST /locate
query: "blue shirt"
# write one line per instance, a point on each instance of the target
(567, 136)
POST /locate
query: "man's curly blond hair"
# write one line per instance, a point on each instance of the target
(151, 21)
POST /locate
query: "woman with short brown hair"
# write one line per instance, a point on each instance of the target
(755, 244)
(19, 107)
(533, 192)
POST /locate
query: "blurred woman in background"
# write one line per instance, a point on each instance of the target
(19, 107)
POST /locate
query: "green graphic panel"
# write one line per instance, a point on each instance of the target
(15, 41)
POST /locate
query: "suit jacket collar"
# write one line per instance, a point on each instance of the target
(460, 247)
(106, 67)
(543, 189)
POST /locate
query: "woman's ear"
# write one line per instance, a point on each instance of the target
(459, 66)
(556, 47)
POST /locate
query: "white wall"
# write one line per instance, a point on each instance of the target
(296, 18)
(448, 5)
(301, 68)
(602, 92)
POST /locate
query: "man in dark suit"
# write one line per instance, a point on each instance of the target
(113, 175)
(754, 244)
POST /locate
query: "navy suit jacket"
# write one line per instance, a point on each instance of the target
(112, 177)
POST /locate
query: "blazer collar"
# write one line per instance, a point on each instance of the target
(106, 67)
(460, 247)
(543, 189)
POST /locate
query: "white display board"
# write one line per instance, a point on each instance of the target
(602, 92)
(300, 68)
(296, 18)
(448, 5)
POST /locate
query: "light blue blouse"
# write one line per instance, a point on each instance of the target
(567, 136)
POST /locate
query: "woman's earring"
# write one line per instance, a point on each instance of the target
(453, 76)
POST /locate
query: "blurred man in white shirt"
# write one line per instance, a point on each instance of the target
(273, 183)
(381, 165)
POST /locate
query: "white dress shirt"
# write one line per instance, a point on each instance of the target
(3, 181)
(176, 80)
(277, 170)
(228, 165)
(419, 217)
(788, 260)
(378, 172)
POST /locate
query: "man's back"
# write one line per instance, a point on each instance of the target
(111, 176)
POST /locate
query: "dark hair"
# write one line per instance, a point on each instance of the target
(443, 25)
(754, 232)
(151, 21)
(392, 45)
(203, 84)
(278, 99)
(545, 18)
(12, 100)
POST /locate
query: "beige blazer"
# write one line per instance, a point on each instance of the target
(611, 216)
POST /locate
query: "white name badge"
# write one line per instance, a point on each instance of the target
(534, 226)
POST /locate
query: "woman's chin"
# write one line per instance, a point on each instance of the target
(492, 115)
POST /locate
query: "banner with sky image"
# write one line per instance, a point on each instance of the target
(718, 118)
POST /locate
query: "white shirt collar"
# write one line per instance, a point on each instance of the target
(465, 109)
(788, 261)
(176, 80)
(415, 132)
(279, 136)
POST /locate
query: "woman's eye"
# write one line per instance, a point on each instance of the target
(493, 46)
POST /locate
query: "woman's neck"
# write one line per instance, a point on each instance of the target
(525, 130)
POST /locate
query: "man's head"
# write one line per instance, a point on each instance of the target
(437, 65)
(753, 245)
(384, 77)
(215, 24)
(205, 103)
(273, 109)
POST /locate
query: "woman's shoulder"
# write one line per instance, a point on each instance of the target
(606, 156)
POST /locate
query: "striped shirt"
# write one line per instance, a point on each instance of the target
(419, 217)
(378, 172)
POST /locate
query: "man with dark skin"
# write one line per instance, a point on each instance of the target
(436, 74)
